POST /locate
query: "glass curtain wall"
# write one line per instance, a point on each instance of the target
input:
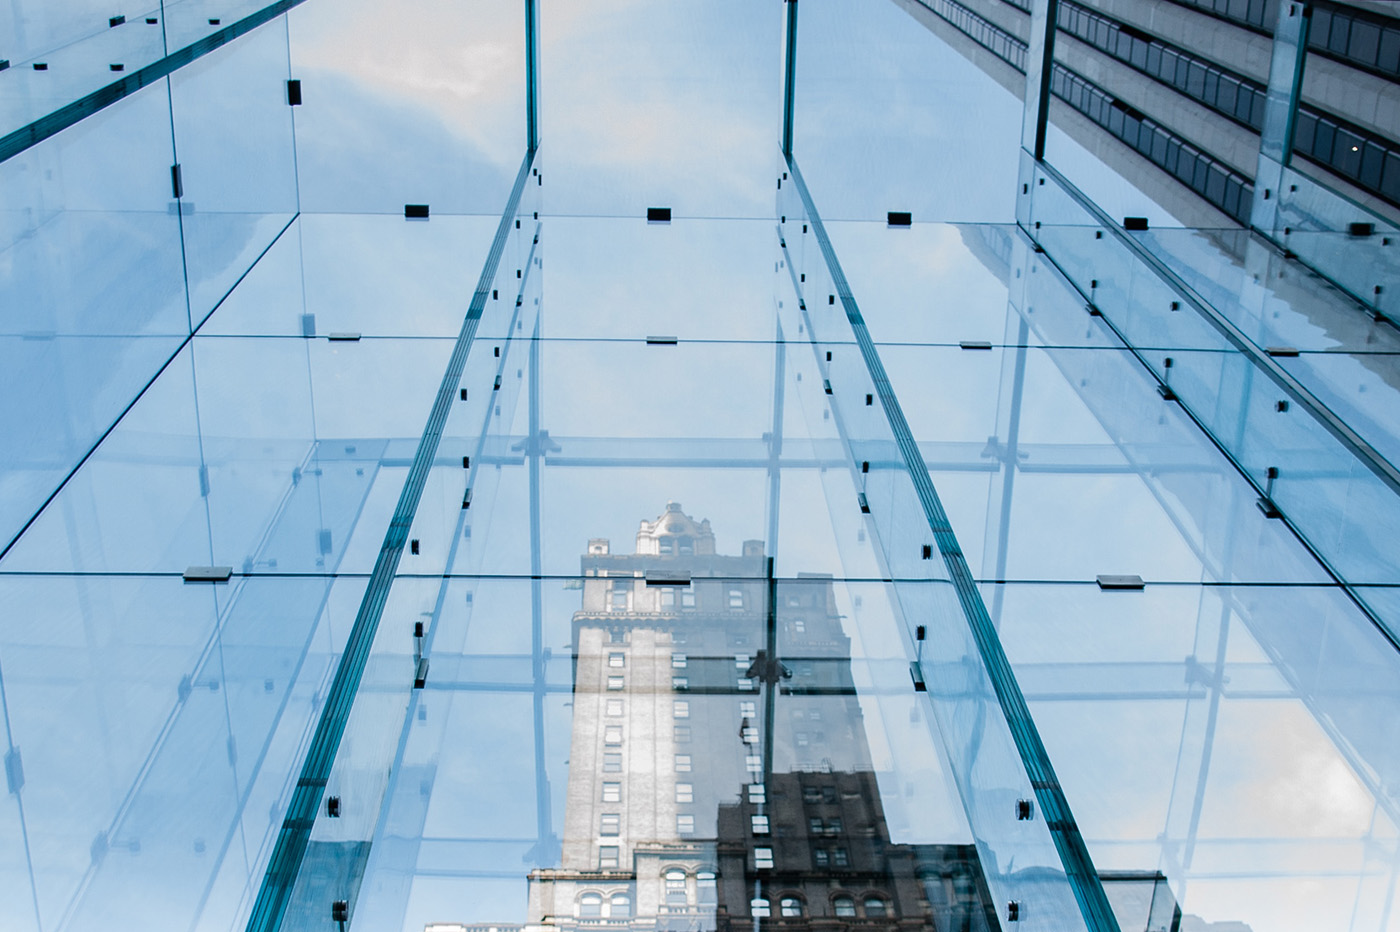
(674, 466)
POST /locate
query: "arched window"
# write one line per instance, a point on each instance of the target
(874, 907)
(705, 887)
(590, 906)
(790, 906)
(844, 906)
(759, 908)
(675, 887)
(621, 906)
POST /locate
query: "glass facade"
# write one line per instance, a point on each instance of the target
(700, 466)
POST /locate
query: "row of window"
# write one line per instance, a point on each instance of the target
(684, 763)
(1230, 94)
(1256, 14)
(841, 905)
(590, 906)
(821, 857)
(1209, 177)
(991, 37)
(612, 792)
(620, 595)
(1363, 158)
(1357, 38)
(1215, 181)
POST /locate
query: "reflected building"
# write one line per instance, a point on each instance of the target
(719, 771)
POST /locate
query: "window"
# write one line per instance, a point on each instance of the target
(668, 598)
(666, 545)
(814, 825)
(612, 734)
(874, 907)
(675, 888)
(794, 601)
(621, 905)
(621, 588)
(828, 794)
(590, 906)
(612, 763)
(759, 909)
(790, 906)
(801, 739)
(749, 734)
(745, 685)
(682, 734)
(687, 598)
(682, 763)
(757, 793)
(844, 906)
(617, 659)
(610, 824)
(685, 792)
(612, 792)
(759, 823)
(680, 683)
(607, 856)
(811, 794)
(685, 825)
(746, 709)
(763, 859)
(614, 707)
(741, 662)
(821, 857)
(685, 545)
(705, 886)
(736, 599)
(840, 858)
(678, 661)
(799, 626)
(615, 683)
(834, 827)
(753, 763)
(681, 708)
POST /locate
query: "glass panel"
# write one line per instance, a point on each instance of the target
(881, 99)
(233, 140)
(157, 723)
(1261, 753)
(94, 294)
(645, 101)
(278, 456)
(408, 105)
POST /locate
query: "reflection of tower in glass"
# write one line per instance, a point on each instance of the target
(719, 773)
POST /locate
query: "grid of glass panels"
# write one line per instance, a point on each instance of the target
(656, 623)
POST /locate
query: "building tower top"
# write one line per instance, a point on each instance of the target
(675, 532)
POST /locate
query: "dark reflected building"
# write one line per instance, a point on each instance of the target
(719, 771)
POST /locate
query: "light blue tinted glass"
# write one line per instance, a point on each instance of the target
(79, 49)
(233, 140)
(1191, 725)
(629, 279)
(641, 104)
(374, 275)
(1112, 177)
(408, 106)
(881, 101)
(160, 779)
(275, 456)
(94, 291)
(35, 27)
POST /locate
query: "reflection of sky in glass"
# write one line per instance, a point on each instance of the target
(1231, 726)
